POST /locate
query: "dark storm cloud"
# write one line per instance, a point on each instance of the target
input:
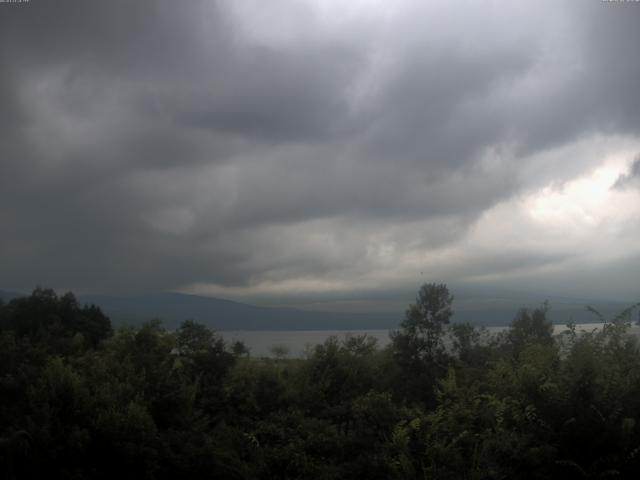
(276, 97)
(417, 113)
(596, 79)
(155, 144)
(612, 39)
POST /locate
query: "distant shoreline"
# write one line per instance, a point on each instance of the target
(296, 342)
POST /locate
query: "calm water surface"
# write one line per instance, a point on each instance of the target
(296, 342)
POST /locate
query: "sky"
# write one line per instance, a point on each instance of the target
(320, 150)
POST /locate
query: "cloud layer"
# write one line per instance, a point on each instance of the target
(317, 149)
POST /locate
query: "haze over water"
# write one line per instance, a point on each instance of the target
(296, 343)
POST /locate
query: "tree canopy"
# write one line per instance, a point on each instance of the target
(442, 401)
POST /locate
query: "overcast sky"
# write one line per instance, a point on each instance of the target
(320, 149)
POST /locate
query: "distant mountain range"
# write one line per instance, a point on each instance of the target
(226, 315)
(173, 308)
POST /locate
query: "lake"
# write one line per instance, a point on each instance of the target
(296, 342)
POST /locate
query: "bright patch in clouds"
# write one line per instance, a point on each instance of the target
(581, 203)
(581, 223)
(564, 227)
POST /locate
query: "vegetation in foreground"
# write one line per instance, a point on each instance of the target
(81, 401)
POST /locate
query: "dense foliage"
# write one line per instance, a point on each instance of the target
(442, 401)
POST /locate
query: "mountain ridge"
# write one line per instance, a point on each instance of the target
(228, 315)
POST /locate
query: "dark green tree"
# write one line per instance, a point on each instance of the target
(60, 323)
(530, 327)
(425, 320)
(418, 347)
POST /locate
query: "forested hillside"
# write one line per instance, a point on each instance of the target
(80, 400)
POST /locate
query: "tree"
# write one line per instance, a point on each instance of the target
(418, 347)
(423, 326)
(55, 321)
(530, 328)
(193, 337)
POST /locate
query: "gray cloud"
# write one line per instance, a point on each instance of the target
(154, 144)
(629, 179)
